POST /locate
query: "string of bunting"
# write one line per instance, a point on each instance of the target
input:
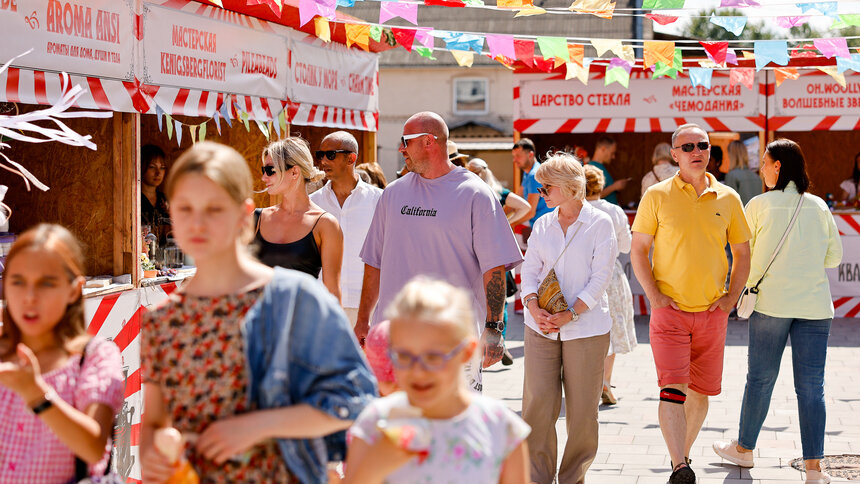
(198, 131)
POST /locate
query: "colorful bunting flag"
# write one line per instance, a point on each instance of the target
(846, 20)
(376, 33)
(742, 75)
(739, 3)
(734, 25)
(700, 76)
(789, 22)
(475, 3)
(425, 52)
(345, 3)
(358, 34)
(661, 19)
(178, 127)
(322, 29)
(464, 58)
(731, 57)
(274, 5)
(658, 51)
(501, 45)
(662, 4)
(406, 11)
(716, 51)
(578, 71)
(619, 75)
(309, 8)
(826, 8)
(554, 47)
(193, 130)
(158, 114)
(461, 41)
(445, 3)
(835, 46)
(514, 3)
(525, 51)
(598, 8)
(767, 51)
(530, 12)
(424, 37)
(852, 63)
(661, 69)
(282, 122)
(217, 118)
(603, 45)
(202, 132)
(217, 3)
(404, 37)
(576, 52)
(264, 128)
(783, 73)
(545, 65)
(169, 122)
(833, 72)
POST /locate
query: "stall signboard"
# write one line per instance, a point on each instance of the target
(814, 95)
(332, 75)
(845, 278)
(645, 98)
(185, 50)
(89, 38)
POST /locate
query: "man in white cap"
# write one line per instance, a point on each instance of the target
(455, 156)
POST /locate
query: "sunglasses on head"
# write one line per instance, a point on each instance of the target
(544, 190)
(330, 154)
(404, 140)
(689, 147)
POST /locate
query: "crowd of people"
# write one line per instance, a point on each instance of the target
(340, 335)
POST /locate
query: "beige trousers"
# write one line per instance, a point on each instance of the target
(351, 315)
(576, 366)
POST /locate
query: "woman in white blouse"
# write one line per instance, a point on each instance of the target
(566, 349)
(622, 336)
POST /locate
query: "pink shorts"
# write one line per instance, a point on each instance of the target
(688, 348)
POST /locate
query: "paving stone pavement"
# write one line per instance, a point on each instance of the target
(632, 450)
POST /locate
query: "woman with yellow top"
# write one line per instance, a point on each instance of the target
(793, 300)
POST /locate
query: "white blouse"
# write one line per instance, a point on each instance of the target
(584, 270)
(619, 221)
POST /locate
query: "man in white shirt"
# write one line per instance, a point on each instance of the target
(353, 203)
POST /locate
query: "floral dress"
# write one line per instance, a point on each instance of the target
(471, 447)
(192, 347)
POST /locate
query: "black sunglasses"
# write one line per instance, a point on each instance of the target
(689, 147)
(268, 170)
(330, 154)
(544, 190)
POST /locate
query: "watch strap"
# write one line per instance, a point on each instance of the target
(45, 403)
(496, 325)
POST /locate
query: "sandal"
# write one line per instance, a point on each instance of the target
(682, 474)
(607, 398)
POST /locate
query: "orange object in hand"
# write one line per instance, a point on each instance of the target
(169, 442)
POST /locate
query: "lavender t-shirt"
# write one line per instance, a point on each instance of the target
(451, 228)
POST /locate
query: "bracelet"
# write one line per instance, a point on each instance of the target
(44, 403)
(528, 300)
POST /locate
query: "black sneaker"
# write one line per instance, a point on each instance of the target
(682, 475)
(507, 359)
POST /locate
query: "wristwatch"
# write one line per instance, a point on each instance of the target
(574, 314)
(46, 402)
(497, 325)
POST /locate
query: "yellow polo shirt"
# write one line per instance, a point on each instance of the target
(690, 234)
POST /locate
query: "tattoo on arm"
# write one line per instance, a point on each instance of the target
(496, 295)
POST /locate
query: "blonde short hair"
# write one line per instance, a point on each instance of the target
(293, 151)
(594, 180)
(662, 152)
(434, 301)
(563, 170)
(738, 155)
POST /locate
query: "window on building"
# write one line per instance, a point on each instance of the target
(471, 95)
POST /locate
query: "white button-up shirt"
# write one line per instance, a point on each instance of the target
(584, 270)
(354, 219)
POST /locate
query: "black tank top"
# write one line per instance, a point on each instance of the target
(302, 255)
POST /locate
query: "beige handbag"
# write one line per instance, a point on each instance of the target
(549, 293)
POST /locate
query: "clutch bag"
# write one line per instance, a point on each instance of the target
(549, 294)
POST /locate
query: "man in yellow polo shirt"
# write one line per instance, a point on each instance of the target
(689, 218)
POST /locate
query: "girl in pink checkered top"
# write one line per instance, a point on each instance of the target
(54, 407)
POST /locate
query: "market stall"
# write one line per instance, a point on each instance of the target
(170, 73)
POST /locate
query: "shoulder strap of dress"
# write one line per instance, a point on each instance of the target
(318, 221)
(258, 214)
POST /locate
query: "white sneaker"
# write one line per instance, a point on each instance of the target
(729, 452)
(817, 477)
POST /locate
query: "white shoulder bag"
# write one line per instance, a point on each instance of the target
(746, 303)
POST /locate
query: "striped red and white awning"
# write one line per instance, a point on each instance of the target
(634, 125)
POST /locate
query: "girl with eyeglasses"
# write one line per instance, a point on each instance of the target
(436, 429)
(297, 234)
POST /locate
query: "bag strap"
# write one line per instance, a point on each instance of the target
(82, 470)
(567, 245)
(782, 241)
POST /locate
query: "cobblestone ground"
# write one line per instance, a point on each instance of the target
(632, 450)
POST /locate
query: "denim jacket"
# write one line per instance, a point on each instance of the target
(300, 349)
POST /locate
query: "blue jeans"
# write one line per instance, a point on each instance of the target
(768, 336)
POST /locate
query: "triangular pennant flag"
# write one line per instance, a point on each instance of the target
(716, 51)
(424, 38)
(514, 3)
(554, 47)
(658, 51)
(739, 3)
(424, 52)
(217, 3)
(202, 132)
(345, 3)
(578, 71)
(474, 3)
(783, 73)
(530, 12)
(661, 69)
(789, 22)
(852, 63)
(700, 77)
(406, 11)
(178, 127)
(217, 118)
(826, 8)
(832, 72)
(627, 53)
(846, 20)
(747, 54)
(742, 75)
(322, 29)
(445, 3)
(263, 128)
(576, 53)
(546, 65)
(282, 122)
(603, 45)
(169, 121)
(376, 33)
(836, 46)
(599, 8)
(275, 5)
(464, 58)
(193, 130)
(525, 51)
(662, 4)
(404, 37)
(309, 8)
(619, 75)
(734, 25)
(225, 113)
(277, 125)
(767, 51)
(358, 34)
(661, 19)
(158, 114)
(461, 41)
(501, 45)
(731, 57)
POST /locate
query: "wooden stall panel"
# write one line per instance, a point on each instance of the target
(829, 157)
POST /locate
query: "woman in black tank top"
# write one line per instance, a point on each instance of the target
(296, 234)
